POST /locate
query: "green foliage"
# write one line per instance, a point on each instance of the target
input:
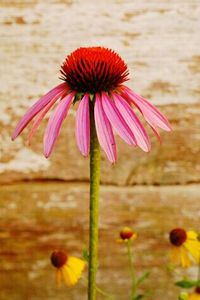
(187, 283)
(142, 278)
(145, 294)
(85, 254)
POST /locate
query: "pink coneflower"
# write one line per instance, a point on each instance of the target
(94, 77)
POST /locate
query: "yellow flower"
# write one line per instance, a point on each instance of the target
(126, 234)
(195, 295)
(184, 245)
(69, 268)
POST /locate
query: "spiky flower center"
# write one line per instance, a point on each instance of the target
(94, 69)
(178, 236)
(126, 233)
(58, 259)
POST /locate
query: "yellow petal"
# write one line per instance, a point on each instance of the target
(72, 270)
(191, 235)
(194, 296)
(134, 236)
(175, 255)
(193, 247)
(68, 276)
(119, 240)
(58, 277)
(76, 264)
(185, 260)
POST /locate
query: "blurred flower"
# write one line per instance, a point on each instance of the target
(195, 295)
(69, 268)
(183, 244)
(127, 234)
(95, 76)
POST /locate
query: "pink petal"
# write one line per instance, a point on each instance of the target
(152, 115)
(83, 125)
(133, 122)
(104, 131)
(40, 117)
(117, 120)
(38, 106)
(54, 124)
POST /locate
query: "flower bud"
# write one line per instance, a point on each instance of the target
(126, 233)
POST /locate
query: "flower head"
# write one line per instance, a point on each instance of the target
(69, 268)
(94, 77)
(195, 295)
(126, 235)
(184, 245)
(93, 70)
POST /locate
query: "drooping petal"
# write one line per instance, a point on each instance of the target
(194, 296)
(192, 244)
(38, 106)
(117, 120)
(58, 277)
(72, 270)
(175, 255)
(152, 115)
(54, 124)
(40, 117)
(185, 259)
(77, 265)
(104, 131)
(133, 122)
(68, 276)
(192, 235)
(83, 125)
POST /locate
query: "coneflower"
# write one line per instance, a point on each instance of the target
(94, 76)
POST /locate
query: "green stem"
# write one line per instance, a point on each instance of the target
(94, 206)
(100, 291)
(133, 289)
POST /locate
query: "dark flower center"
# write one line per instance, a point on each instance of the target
(126, 233)
(58, 259)
(94, 69)
(178, 236)
(197, 290)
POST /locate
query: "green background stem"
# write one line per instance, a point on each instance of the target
(132, 270)
(94, 206)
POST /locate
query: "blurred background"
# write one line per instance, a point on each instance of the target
(44, 203)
